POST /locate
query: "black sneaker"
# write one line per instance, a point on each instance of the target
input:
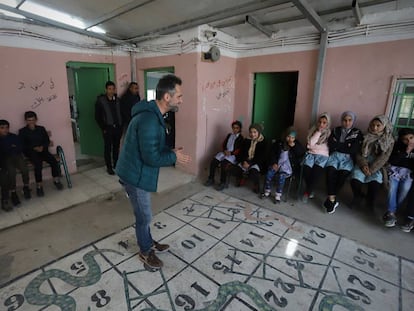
(330, 206)
(221, 187)
(40, 192)
(408, 226)
(209, 182)
(389, 219)
(58, 185)
(159, 248)
(5, 206)
(14, 198)
(110, 171)
(26, 192)
(150, 260)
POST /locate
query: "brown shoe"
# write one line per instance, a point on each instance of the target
(160, 248)
(151, 260)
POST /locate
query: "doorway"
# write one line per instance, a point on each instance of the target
(274, 102)
(85, 82)
(151, 78)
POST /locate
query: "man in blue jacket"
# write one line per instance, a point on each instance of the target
(143, 153)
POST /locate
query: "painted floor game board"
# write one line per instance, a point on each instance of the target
(225, 254)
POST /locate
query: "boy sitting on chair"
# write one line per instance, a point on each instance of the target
(36, 147)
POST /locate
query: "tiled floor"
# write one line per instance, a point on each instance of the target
(93, 184)
(226, 254)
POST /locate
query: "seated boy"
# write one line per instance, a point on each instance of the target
(13, 159)
(36, 147)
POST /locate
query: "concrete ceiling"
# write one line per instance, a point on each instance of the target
(135, 21)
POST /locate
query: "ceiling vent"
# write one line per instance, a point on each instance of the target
(213, 54)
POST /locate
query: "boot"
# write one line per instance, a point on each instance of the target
(5, 206)
(14, 198)
(26, 192)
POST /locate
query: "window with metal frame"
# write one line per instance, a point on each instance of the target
(402, 110)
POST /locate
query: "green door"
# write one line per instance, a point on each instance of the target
(89, 83)
(274, 102)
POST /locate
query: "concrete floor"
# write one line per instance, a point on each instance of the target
(29, 246)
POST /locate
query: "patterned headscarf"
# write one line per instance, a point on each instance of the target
(325, 132)
(384, 139)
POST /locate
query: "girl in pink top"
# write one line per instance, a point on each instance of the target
(318, 153)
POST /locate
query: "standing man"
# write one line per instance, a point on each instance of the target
(109, 118)
(143, 153)
(129, 99)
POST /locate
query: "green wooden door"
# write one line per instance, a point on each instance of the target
(274, 102)
(89, 83)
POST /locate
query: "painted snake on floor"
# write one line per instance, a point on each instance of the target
(230, 289)
(34, 296)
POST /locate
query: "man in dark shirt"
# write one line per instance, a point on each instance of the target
(36, 147)
(129, 99)
(12, 158)
(109, 118)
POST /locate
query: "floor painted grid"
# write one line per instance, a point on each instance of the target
(226, 254)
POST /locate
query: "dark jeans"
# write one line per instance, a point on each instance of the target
(112, 139)
(16, 162)
(335, 179)
(37, 159)
(4, 184)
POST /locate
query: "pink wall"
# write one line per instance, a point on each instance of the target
(216, 92)
(358, 78)
(303, 62)
(206, 114)
(28, 75)
(186, 119)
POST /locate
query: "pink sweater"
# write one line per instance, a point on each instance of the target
(313, 148)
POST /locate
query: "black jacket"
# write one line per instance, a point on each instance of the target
(238, 145)
(352, 144)
(295, 153)
(128, 100)
(399, 156)
(108, 112)
(34, 138)
(259, 153)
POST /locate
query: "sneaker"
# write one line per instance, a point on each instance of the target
(26, 192)
(110, 171)
(331, 207)
(40, 192)
(311, 195)
(265, 194)
(58, 185)
(221, 187)
(408, 226)
(150, 260)
(209, 182)
(159, 248)
(278, 197)
(14, 198)
(5, 206)
(389, 219)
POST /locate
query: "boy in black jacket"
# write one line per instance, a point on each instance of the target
(12, 151)
(36, 147)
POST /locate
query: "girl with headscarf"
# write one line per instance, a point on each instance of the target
(317, 154)
(253, 157)
(344, 143)
(375, 151)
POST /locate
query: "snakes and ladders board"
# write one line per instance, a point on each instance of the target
(226, 254)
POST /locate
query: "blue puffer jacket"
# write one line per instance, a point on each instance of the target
(144, 150)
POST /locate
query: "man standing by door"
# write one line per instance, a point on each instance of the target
(109, 118)
(128, 100)
(143, 153)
